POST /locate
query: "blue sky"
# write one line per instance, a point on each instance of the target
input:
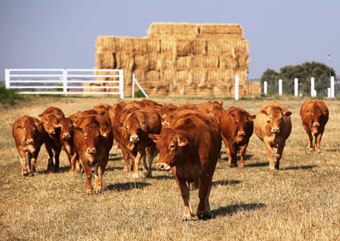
(62, 33)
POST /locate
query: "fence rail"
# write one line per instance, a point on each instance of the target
(65, 81)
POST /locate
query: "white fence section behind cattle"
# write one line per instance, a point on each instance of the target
(135, 82)
(65, 81)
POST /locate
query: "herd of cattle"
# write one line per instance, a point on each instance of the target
(186, 137)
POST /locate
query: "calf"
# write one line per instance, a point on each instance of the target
(53, 144)
(190, 148)
(66, 139)
(29, 135)
(314, 115)
(273, 127)
(236, 126)
(138, 125)
(93, 141)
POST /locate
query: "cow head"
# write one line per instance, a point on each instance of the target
(50, 123)
(134, 128)
(93, 135)
(66, 127)
(275, 118)
(30, 131)
(243, 123)
(171, 145)
(316, 117)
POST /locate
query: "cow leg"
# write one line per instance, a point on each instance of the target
(67, 149)
(88, 174)
(185, 192)
(279, 155)
(310, 138)
(50, 165)
(99, 171)
(23, 160)
(151, 152)
(270, 155)
(318, 142)
(127, 167)
(56, 156)
(136, 165)
(242, 153)
(34, 161)
(203, 210)
(232, 155)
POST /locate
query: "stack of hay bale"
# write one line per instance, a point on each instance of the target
(181, 59)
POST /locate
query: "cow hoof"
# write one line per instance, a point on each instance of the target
(25, 173)
(232, 165)
(311, 149)
(147, 174)
(241, 165)
(135, 175)
(187, 217)
(318, 151)
(32, 174)
(97, 192)
(204, 216)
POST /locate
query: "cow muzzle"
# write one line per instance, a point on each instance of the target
(316, 124)
(134, 139)
(163, 166)
(29, 141)
(91, 150)
(241, 133)
(275, 130)
(66, 136)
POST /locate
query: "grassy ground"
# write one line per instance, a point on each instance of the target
(299, 202)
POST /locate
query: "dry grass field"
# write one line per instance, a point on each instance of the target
(299, 202)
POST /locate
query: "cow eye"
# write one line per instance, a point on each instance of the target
(268, 121)
(171, 146)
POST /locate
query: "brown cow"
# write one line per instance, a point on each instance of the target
(103, 110)
(77, 117)
(51, 118)
(314, 115)
(273, 127)
(29, 135)
(66, 138)
(190, 148)
(138, 125)
(213, 108)
(93, 141)
(236, 126)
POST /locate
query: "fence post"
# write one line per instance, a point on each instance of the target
(121, 83)
(133, 85)
(7, 78)
(332, 87)
(280, 86)
(65, 82)
(329, 92)
(236, 87)
(265, 87)
(296, 87)
(312, 90)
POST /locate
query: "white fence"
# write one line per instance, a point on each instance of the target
(65, 81)
(330, 90)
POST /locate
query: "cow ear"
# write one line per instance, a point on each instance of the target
(104, 132)
(265, 112)
(182, 141)
(154, 137)
(288, 113)
(252, 117)
(77, 129)
(58, 125)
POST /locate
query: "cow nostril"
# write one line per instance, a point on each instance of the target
(91, 150)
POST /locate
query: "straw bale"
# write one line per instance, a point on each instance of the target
(153, 45)
(106, 43)
(154, 61)
(199, 46)
(226, 61)
(158, 89)
(183, 47)
(152, 76)
(168, 45)
(199, 75)
(183, 62)
(241, 47)
(124, 61)
(105, 60)
(182, 75)
(167, 62)
(221, 30)
(205, 61)
(139, 45)
(141, 61)
(161, 30)
(140, 74)
(167, 76)
(242, 62)
(220, 46)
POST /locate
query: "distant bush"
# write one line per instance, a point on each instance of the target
(8, 96)
(139, 94)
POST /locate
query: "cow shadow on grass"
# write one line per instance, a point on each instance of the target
(230, 210)
(113, 168)
(127, 186)
(304, 167)
(162, 177)
(60, 170)
(258, 164)
(225, 182)
(246, 157)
